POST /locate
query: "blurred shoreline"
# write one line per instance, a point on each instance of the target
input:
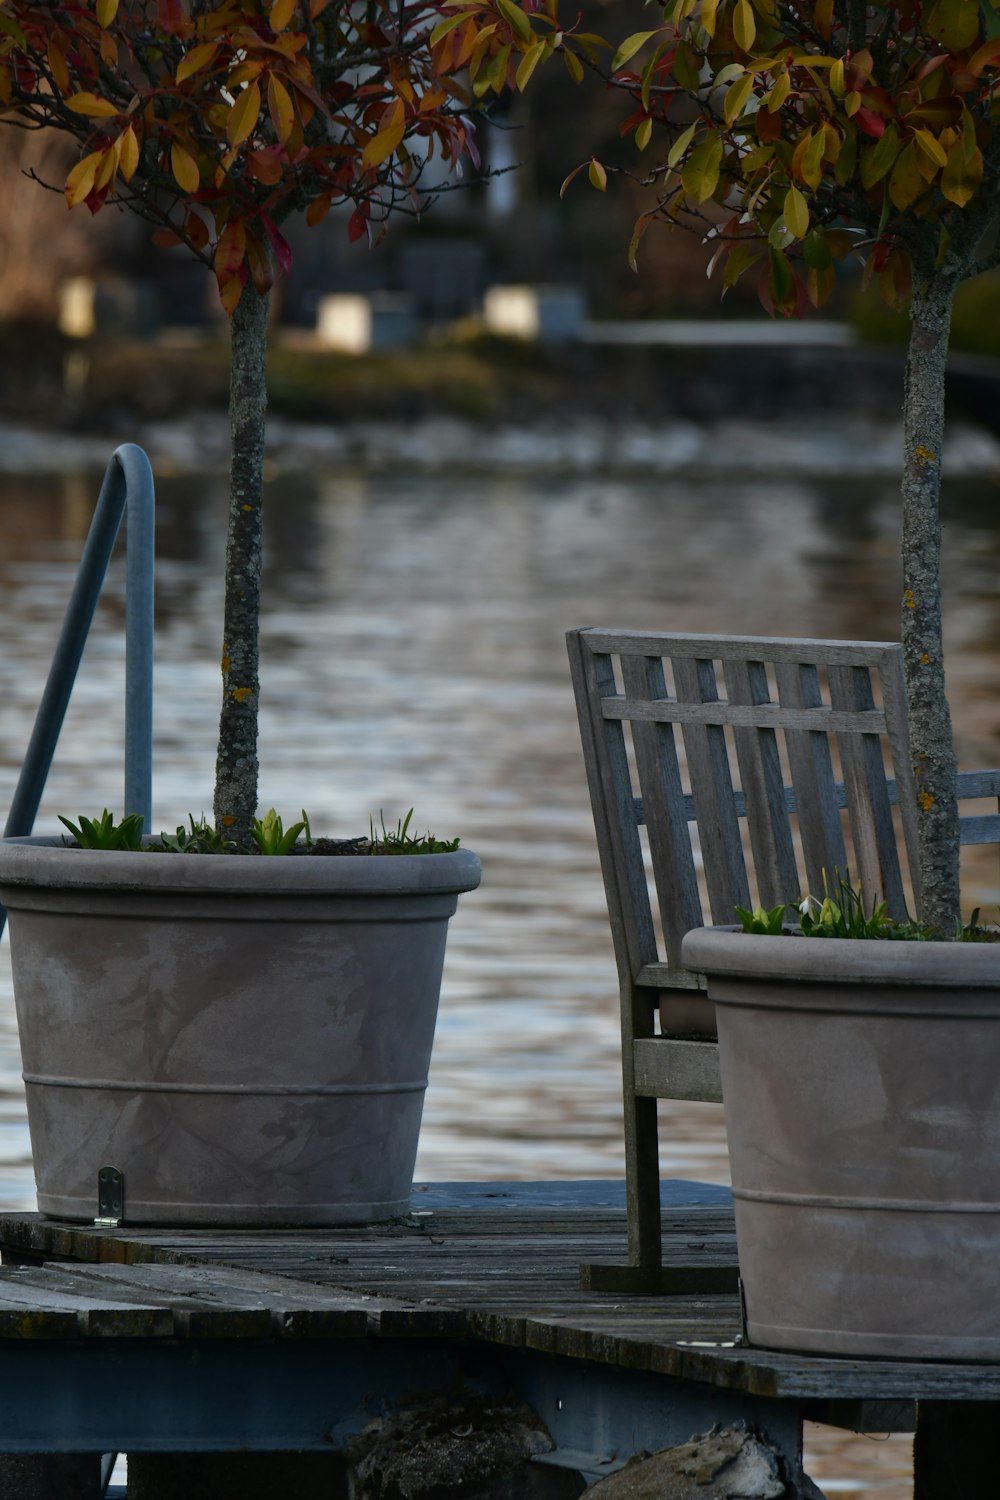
(480, 405)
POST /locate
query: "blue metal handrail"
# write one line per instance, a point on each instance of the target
(128, 482)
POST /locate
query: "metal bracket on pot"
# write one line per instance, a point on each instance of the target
(110, 1198)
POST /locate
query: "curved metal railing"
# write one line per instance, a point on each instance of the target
(128, 484)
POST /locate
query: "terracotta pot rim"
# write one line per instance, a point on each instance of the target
(46, 861)
(732, 953)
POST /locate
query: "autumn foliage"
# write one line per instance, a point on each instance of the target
(797, 136)
(217, 119)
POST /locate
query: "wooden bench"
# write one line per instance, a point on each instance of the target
(723, 772)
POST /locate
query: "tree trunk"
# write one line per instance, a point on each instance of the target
(236, 765)
(931, 744)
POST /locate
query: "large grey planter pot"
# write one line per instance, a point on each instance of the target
(246, 1038)
(862, 1101)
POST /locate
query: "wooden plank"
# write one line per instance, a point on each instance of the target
(775, 872)
(712, 789)
(663, 803)
(218, 1303)
(876, 858)
(979, 828)
(677, 1069)
(613, 803)
(760, 716)
(729, 647)
(894, 700)
(978, 783)
(816, 795)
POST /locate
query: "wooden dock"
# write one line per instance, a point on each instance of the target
(150, 1340)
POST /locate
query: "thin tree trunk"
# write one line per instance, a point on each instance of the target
(931, 743)
(236, 765)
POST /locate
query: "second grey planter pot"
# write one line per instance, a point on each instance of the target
(862, 1099)
(245, 1038)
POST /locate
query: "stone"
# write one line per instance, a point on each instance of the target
(475, 1449)
(728, 1463)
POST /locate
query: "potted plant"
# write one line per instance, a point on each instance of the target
(200, 1067)
(793, 138)
(863, 1119)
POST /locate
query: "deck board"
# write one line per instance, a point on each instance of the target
(490, 1263)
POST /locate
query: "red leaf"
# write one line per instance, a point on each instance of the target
(870, 123)
(170, 16)
(358, 224)
(279, 244)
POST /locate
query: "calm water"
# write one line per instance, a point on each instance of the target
(413, 656)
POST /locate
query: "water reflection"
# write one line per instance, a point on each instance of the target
(413, 655)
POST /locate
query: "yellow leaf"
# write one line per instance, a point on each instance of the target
(184, 168)
(384, 142)
(736, 98)
(57, 65)
(629, 47)
(807, 158)
(568, 179)
(931, 147)
(643, 131)
(744, 25)
(681, 144)
(80, 182)
(962, 175)
(701, 171)
(108, 165)
(574, 67)
(641, 225)
(282, 12)
(281, 108)
(198, 58)
(905, 182)
(707, 15)
(823, 18)
(598, 175)
(820, 282)
(529, 62)
(230, 292)
(516, 19)
(244, 115)
(449, 24)
(106, 11)
(953, 23)
(796, 213)
(85, 103)
(779, 92)
(129, 154)
(838, 78)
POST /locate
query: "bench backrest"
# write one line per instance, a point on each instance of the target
(786, 756)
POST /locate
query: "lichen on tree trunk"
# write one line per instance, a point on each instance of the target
(236, 764)
(931, 744)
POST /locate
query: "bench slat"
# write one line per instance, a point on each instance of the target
(712, 790)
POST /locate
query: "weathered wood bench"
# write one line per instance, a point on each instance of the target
(724, 772)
